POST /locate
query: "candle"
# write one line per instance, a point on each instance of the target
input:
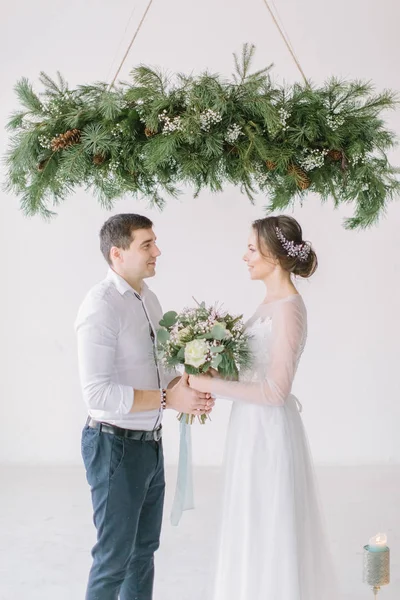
(377, 562)
(378, 543)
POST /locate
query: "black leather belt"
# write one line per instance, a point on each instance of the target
(132, 434)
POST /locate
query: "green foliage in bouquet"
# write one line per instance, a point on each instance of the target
(152, 136)
(203, 338)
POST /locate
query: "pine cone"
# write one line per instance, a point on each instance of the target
(302, 179)
(271, 166)
(149, 132)
(42, 165)
(69, 138)
(98, 159)
(335, 154)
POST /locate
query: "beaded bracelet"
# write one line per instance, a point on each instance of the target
(163, 394)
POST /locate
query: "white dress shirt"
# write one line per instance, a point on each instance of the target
(116, 352)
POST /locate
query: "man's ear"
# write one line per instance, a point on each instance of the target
(115, 254)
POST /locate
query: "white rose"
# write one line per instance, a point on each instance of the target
(196, 352)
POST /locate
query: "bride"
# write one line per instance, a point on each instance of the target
(271, 545)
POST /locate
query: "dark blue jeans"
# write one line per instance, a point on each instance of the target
(127, 484)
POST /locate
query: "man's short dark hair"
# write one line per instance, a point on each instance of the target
(118, 230)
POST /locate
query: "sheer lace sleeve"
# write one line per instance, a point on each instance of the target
(273, 380)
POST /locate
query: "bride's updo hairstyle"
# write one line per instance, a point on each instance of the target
(282, 237)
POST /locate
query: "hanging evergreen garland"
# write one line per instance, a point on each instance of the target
(150, 137)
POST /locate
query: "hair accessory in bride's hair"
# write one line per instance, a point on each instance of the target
(300, 251)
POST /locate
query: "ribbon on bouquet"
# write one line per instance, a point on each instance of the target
(184, 497)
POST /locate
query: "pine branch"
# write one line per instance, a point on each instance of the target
(16, 120)
(151, 136)
(96, 139)
(243, 64)
(53, 88)
(150, 78)
(376, 104)
(110, 105)
(27, 96)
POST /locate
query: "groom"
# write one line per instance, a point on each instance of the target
(126, 392)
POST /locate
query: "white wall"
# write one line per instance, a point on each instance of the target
(348, 380)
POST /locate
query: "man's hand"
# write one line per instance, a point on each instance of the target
(214, 373)
(186, 400)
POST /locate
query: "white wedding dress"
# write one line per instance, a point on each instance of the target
(271, 545)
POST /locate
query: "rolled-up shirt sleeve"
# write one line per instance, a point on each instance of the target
(97, 328)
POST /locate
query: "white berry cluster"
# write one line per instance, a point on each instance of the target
(356, 186)
(54, 105)
(233, 133)
(114, 165)
(334, 121)
(261, 178)
(188, 313)
(53, 108)
(140, 109)
(237, 329)
(103, 177)
(177, 332)
(357, 159)
(172, 162)
(201, 327)
(240, 343)
(170, 125)
(260, 175)
(283, 117)
(209, 117)
(117, 130)
(312, 159)
(45, 141)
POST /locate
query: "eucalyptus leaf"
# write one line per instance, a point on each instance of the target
(218, 332)
(217, 349)
(169, 319)
(163, 336)
(216, 361)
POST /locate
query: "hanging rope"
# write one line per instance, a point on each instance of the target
(286, 40)
(279, 19)
(111, 68)
(280, 28)
(131, 44)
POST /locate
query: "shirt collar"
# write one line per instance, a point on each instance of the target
(123, 286)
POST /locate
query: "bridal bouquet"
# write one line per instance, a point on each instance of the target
(201, 339)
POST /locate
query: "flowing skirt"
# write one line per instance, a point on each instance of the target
(272, 545)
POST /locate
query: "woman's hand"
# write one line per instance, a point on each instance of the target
(201, 383)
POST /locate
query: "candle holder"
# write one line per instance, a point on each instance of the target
(376, 567)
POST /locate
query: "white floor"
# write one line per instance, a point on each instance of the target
(46, 532)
